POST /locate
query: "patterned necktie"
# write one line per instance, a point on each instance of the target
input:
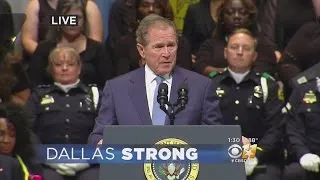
(158, 116)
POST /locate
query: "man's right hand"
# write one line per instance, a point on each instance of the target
(62, 169)
(310, 162)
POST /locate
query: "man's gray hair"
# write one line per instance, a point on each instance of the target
(152, 20)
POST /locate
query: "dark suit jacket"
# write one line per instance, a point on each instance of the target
(10, 169)
(198, 24)
(126, 55)
(124, 101)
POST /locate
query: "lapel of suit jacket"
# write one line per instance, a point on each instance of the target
(177, 79)
(138, 96)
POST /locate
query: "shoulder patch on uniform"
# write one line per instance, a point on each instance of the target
(267, 76)
(302, 80)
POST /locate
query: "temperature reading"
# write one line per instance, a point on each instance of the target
(253, 140)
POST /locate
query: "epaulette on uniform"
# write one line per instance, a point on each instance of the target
(215, 73)
(302, 80)
(43, 89)
(92, 85)
(267, 76)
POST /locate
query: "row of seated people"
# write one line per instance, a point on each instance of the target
(120, 55)
(70, 104)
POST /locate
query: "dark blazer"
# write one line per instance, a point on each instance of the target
(10, 169)
(198, 24)
(124, 101)
(126, 56)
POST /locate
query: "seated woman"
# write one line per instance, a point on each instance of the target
(126, 55)
(14, 83)
(234, 14)
(16, 139)
(96, 66)
(64, 112)
(200, 21)
(37, 23)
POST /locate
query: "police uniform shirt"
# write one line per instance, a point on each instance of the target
(60, 117)
(243, 104)
(303, 119)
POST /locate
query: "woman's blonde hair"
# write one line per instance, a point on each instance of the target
(68, 52)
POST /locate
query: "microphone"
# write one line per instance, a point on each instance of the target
(162, 97)
(183, 95)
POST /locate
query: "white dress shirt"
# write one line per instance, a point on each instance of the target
(151, 85)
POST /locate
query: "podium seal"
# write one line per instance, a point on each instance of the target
(171, 170)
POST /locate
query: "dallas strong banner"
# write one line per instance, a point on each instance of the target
(133, 154)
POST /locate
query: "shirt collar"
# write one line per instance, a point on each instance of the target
(150, 75)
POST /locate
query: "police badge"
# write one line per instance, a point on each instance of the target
(47, 100)
(309, 97)
(220, 92)
(257, 91)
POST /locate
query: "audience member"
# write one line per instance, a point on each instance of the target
(302, 117)
(64, 112)
(38, 20)
(242, 91)
(14, 82)
(17, 138)
(96, 67)
(200, 21)
(234, 14)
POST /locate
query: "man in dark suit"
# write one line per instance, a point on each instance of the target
(10, 169)
(129, 99)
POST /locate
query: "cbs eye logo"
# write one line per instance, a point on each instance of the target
(235, 151)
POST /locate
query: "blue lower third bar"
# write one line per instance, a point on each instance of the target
(131, 154)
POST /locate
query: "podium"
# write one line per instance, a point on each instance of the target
(220, 136)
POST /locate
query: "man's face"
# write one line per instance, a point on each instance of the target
(160, 52)
(7, 137)
(65, 70)
(240, 52)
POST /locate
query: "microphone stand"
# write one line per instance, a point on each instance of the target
(172, 110)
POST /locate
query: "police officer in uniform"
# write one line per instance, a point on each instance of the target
(303, 131)
(65, 112)
(251, 100)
